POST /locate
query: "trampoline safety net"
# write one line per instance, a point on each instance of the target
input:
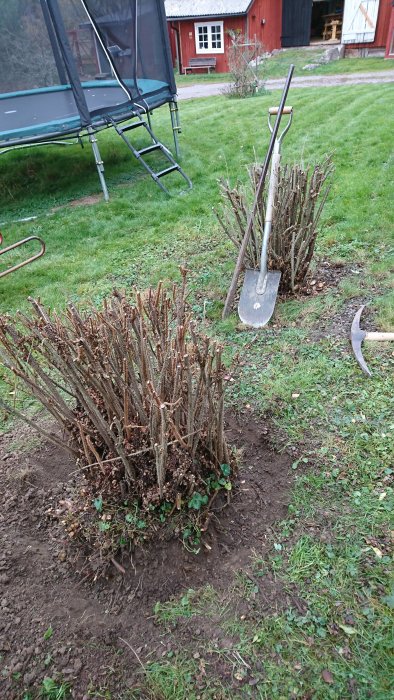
(72, 67)
(76, 44)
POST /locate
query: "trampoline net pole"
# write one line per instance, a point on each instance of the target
(99, 162)
(166, 44)
(52, 38)
(69, 62)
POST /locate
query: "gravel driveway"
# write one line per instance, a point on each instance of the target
(307, 81)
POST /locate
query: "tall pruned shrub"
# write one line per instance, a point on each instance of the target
(299, 201)
(137, 391)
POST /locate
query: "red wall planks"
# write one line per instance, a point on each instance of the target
(390, 37)
(188, 43)
(265, 21)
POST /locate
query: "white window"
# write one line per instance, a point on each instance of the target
(209, 37)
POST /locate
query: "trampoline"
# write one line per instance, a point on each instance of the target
(78, 67)
(50, 112)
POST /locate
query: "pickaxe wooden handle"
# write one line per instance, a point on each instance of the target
(357, 336)
(376, 335)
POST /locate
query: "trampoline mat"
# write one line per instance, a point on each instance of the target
(47, 112)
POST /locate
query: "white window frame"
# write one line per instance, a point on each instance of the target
(197, 25)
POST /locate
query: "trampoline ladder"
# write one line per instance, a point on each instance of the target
(156, 145)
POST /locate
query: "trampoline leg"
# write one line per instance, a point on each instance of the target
(149, 118)
(99, 162)
(176, 125)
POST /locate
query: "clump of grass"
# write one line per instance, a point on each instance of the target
(299, 200)
(54, 690)
(139, 395)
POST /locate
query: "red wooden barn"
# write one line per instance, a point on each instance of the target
(200, 28)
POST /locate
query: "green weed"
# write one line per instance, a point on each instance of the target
(190, 603)
(54, 690)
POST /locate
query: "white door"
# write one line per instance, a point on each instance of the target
(359, 21)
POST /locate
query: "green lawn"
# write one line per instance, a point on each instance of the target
(277, 66)
(339, 422)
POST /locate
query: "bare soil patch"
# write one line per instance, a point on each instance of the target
(327, 276)
(86, 201)
(55, 621)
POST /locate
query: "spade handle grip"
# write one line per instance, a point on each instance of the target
(378, 336)
(275, 110)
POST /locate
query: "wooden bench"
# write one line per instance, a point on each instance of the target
(207, 62)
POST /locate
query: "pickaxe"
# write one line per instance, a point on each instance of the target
(357, 336)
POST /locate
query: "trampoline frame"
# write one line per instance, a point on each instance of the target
(89, 132)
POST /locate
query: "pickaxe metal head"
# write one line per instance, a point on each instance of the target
(357, 336)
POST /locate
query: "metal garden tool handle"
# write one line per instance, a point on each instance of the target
(262, 280)
(19, 244)
(241, 255)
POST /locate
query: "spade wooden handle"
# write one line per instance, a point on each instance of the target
(375, 335)
(275, 110)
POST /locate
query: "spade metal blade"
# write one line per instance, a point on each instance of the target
(256, 309)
